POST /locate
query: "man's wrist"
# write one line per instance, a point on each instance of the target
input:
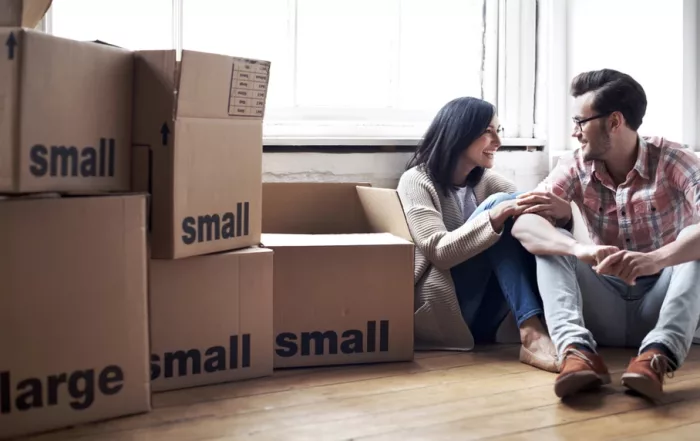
(661, 256)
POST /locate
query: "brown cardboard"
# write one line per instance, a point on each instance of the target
(73, 303)
(65, 114)
(22, 13)
(198, 150)
(343, 289)
(211, 318)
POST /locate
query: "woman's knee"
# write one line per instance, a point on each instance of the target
(497, 198)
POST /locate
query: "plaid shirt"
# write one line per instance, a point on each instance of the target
(659, 198)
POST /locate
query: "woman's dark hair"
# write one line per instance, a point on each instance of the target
(455, 127)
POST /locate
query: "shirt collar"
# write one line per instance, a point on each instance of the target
(641, 165)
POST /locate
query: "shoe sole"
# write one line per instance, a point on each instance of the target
(578, 382)
(642, 385)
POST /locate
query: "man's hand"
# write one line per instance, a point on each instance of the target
(628, 265)
(594, 254)
(502, 212)
(546, 204)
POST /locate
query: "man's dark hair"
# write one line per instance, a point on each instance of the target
(614, 92)
(455, 127)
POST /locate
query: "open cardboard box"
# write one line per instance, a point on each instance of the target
(343, 274)
(197, 137)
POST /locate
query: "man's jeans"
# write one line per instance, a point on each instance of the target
(580, 304)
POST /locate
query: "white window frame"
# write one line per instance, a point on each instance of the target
(553, 107)
(508, 81)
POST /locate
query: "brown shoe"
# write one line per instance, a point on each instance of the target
(645, 373)
(580, 370)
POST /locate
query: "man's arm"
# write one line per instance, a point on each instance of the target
(683, 173)
(541, 238)
(551, 197)
(684, 249)
(538, 236)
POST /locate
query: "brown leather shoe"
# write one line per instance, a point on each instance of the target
(580, 370)
(645, 373)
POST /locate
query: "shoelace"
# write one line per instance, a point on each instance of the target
(579, 354)
(660, 365)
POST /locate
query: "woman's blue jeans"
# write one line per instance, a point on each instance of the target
(501, 278)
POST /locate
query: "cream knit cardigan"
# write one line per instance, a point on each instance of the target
(442, 240)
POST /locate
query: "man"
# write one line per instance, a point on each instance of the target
(638, 284)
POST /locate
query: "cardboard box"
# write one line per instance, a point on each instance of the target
(22, 13)
(343, 290)
(198, 150)
(65, 119)
(211, 318)
(73, 311)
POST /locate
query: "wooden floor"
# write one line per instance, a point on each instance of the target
(481, 395)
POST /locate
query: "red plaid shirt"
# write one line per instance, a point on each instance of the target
(659, 198)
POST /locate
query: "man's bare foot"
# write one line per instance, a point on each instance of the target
(537, 348)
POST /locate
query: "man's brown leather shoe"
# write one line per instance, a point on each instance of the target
(580, 370)
(645, 373)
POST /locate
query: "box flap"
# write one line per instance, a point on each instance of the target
(218, 86)
(384, 211)
(312, 208)
(323, 240)
(23, 13)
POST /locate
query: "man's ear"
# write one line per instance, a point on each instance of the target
(617, 120)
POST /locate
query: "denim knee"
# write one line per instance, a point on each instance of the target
(497, 198)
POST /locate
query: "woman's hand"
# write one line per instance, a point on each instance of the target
(502, 212)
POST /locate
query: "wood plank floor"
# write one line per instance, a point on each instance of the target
(480, 395)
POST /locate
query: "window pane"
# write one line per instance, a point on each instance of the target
(647, 44)
(244, 28)
(345, 52)
(441, 51)
(132, 24)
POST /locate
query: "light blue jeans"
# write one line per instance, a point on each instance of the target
(583, 307)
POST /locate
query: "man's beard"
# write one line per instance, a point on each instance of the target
(600, 148)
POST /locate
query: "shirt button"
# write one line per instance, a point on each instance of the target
(653, 208)
(628, 240)
(600, 209)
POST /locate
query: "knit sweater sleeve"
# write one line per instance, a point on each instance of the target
(444, 249)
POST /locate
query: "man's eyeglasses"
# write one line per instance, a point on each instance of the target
(579, 122)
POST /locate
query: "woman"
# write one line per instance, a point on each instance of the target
(469, 271)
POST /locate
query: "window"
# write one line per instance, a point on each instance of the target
(133, 24)
(364, 68)
(647, 44)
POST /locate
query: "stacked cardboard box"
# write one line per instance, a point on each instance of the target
(198, 151)
(73, 302)
(138, 237)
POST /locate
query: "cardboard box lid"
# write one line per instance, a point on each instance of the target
(23, 13)
(207, 85)
(332, 208)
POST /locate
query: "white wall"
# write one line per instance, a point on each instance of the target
(526, 169)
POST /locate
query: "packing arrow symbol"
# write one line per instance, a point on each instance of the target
(165, 131)
(11, 43)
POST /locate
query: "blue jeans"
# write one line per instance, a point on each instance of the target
(501, 278)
